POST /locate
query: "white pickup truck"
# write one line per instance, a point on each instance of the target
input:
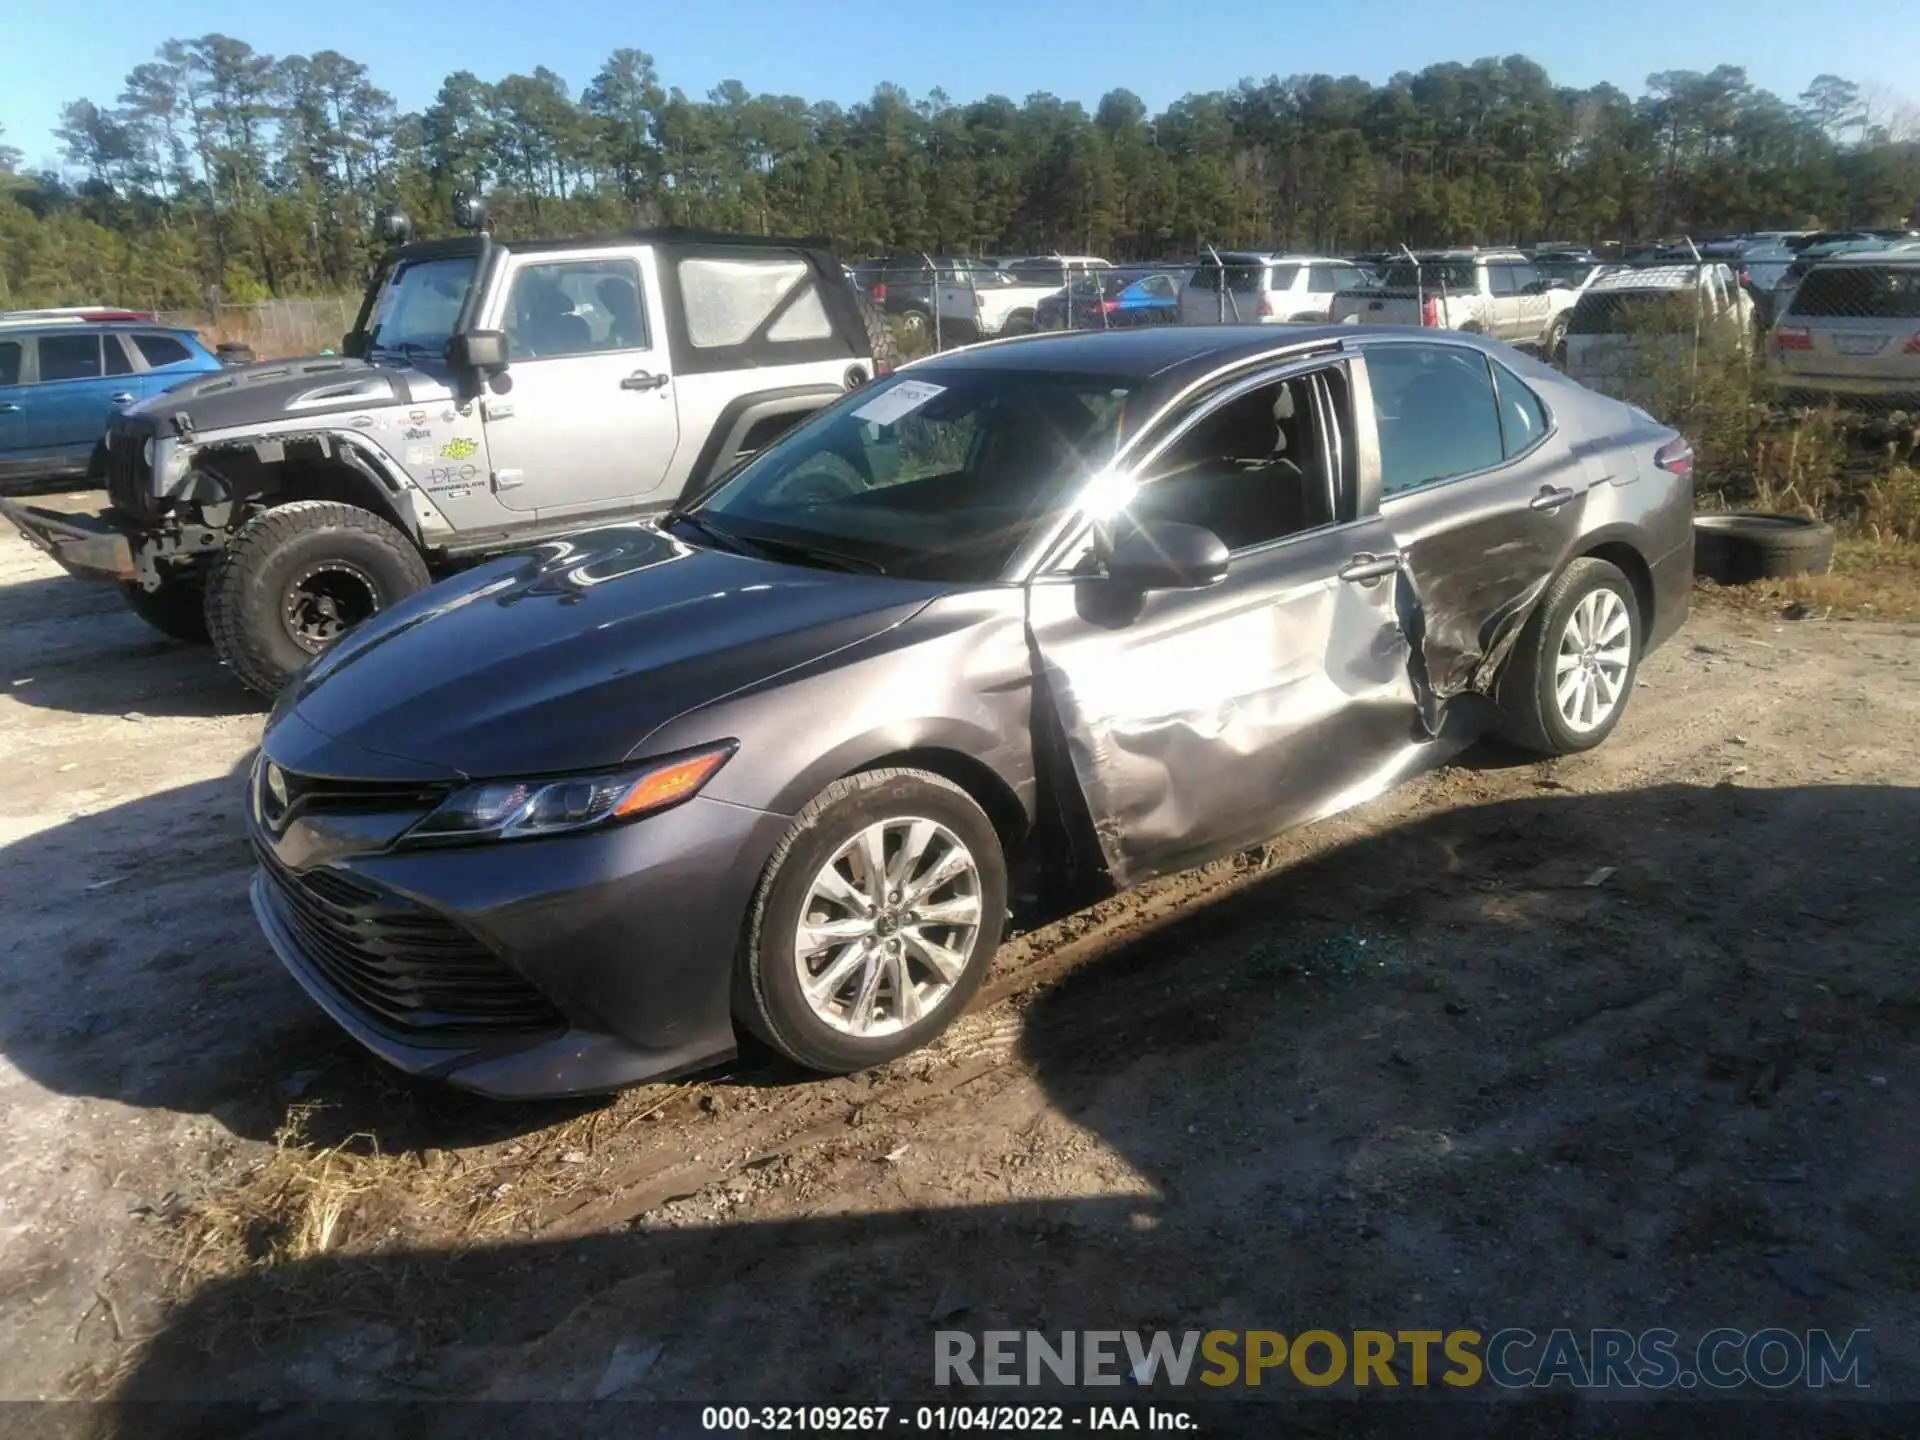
(972, 299)
(1497, 293)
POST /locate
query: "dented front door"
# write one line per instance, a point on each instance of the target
(1198, 722)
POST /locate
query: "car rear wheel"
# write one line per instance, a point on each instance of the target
(298, 577)
(875, 921)
(1571, 673)
(177, 609)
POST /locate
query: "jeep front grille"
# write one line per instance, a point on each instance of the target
(129, 477)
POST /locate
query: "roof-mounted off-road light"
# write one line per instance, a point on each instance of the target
(395, 227)
(469, 210)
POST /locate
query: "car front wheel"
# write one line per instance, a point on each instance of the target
(1571, 673)
(298, 577)
(875, 921)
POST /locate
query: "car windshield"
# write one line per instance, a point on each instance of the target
(936, 477)
(421, 304)
(1880, 292)
(1634, 312)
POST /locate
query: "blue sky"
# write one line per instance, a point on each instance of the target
(52, 52)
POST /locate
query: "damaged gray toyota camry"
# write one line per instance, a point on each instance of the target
(1011, 628)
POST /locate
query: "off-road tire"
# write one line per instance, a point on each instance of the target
(881, 340)
(249, 584)
(1529, 713)
(767, 995)
(1738, 549)
(177, 609)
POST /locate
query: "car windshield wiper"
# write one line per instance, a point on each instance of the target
(406, 348)
(724, 539)
(821, 556)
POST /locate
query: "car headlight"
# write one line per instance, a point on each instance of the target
(523, 809)
(146, 453)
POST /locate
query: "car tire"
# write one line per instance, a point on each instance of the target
(1541, 708)
(899, 805)
(882, 343)
(178, 609)
(297, 577)
(916, 329)
(1741, 548)
(1556, 346)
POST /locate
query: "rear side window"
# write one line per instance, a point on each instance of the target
(1523, 418)
(1281, 277)
(1437, 276)
(116, 353)
(727, 300)
(9, 362)
(1878, 292)
(69, 357)
(158, 350)
(1436, 412)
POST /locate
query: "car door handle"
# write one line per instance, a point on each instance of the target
(644, 380)
(123, 397)
(1550, 498)
(1367, 566)
(9, 409)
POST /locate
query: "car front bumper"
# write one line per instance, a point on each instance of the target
(89, 547)
(628, 935)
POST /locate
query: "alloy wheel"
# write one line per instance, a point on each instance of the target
(1590, 669)
(889, 926)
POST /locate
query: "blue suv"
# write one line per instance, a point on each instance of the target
(64, 373)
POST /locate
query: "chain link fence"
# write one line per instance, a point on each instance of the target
(271, 329)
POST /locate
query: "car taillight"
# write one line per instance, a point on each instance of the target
(1107, 307)
(879, 293)
(1430, 312)
(1913, 344)
(1265, 308)
(1675, 457)
(1792, 337)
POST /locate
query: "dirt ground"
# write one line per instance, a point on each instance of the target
(1621, 1040)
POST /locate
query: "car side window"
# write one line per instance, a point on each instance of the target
(1161, 287)
(116, 352)
(1326, 279)
(1500, 278)
(1525, 277)
(69, 357)
(575, 308)
(1252, 471)
(1281, 277)
(1436, 412)
(10, 352)
(1523, 418)
(159, 350)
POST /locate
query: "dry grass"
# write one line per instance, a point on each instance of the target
(1870, 580)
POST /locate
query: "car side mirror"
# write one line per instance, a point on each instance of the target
(353, 344)
(1168, 555)
(481, 352)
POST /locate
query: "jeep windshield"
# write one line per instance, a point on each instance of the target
(939, 478)
(420, 306)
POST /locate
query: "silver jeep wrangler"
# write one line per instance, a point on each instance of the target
(491, 394)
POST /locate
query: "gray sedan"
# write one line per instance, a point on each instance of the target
(1009, 629)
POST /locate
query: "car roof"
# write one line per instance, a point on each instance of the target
(1652, 277)
(1161, 359)
(1894, 255)
(59, 326)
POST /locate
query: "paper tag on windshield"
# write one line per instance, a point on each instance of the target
(899, 402)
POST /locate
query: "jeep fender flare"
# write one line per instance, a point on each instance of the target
(725, 442)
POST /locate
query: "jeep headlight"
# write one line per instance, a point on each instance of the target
(146, 453)
(522, 809)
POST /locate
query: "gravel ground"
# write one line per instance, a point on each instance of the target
(1625, 1039)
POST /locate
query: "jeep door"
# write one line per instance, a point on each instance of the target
(584, 418)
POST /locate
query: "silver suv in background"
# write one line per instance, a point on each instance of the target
(1852, 329)
(1497, 293)
(1256, 287)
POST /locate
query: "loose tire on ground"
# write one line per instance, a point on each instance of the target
(768, 995)
(1739, 549)
(880, 338)
(1529, 692)
(351, 559)
(177, 609)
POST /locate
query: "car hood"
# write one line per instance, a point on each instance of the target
(569, 657)
(332, 389)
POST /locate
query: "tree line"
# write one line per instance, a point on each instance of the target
(221, 169)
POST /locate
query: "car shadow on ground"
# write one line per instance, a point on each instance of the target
(1427, 1080)
(132, 970)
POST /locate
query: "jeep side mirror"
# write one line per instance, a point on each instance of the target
(353, 344)
(481, 352)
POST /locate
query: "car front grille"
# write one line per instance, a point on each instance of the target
(129, 478)
(407, 969)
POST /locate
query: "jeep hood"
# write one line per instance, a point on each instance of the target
(331, 389)
(568, 658)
